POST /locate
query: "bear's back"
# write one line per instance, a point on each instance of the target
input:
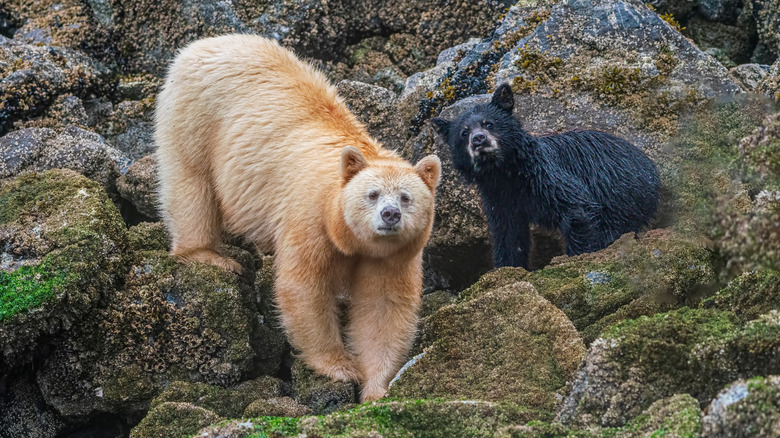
(264, 128)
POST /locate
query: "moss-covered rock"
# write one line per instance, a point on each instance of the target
(696, 351)
(276, 407)
(745, 408)
(749, 296)
(148, 236)
(659, 271)
(172, 321)
(174, 420)
(419, 418)
(225, 402)
(320, 393)
(62, 246)
(504, 343)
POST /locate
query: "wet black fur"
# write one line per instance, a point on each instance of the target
(591, 185)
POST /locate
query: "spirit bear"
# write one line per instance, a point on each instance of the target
(255, 142)
(591, 185)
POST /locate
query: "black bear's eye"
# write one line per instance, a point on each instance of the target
(488, 125)
(464, 133)
(373, 195)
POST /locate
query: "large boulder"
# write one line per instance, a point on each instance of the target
(502, 344)
(695, 351)
(767, 16)
(171, 321)
(39, 149)
(62, 243)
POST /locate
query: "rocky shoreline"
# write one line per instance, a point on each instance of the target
(674, 332)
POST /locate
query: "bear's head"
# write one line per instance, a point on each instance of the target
(387, 203)
(481, 138)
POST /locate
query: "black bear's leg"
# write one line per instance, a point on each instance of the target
(511, 242)
(580, 236)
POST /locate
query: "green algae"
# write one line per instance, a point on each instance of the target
(749, 296)
(174, 420)
(28, 287)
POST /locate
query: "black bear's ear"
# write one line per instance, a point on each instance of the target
(441, 126)
(503, 97)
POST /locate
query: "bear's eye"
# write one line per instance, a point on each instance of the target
(488, 125)
(373, 195)
(464, 133)
(405, 198)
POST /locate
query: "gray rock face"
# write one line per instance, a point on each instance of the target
(39, 149)
(745, 408)
(750, 76)
(321, 394)
(139, 186)
(377, 108)
(32, 76)
(767, 16)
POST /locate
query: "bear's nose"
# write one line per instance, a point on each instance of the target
(391, 215)
(478, 139)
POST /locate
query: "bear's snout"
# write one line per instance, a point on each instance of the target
(391, 215)
(478, 139)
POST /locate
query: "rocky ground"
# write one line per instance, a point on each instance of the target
(674, 332)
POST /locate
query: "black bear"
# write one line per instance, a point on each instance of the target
(591, 185)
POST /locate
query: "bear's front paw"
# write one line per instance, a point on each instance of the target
(344, 372)
(372, 392)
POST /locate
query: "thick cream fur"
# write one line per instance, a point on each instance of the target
(255, 142)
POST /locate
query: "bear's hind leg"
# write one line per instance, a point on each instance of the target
(382, 323)
(190, 212)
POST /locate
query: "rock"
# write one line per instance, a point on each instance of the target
(139, 186)
(471, 351)
(276, 407)
(171, 321)
(148, 236)
(150, 32)
(225, 402)
(749, 76)
(767, 16)
(749, 296)
(62, 243)
(32, 76)
(770, 84)
(632, 277)
(39, 149)
(23, 413)
(175, 420)
(694, 351)
(745, 408)
(377, 108)
(734, 40)
(318, 392)
(434, 301)
(129, 125)
(434, 418)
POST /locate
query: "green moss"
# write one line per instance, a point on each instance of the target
(418, 418)
(749, 295)
(28, 287)
(656, 273)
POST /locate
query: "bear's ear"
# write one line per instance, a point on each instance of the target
(352, 162)
(429, 169)
(503, 97)
(441, 126)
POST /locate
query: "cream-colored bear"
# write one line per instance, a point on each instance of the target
(253, 141)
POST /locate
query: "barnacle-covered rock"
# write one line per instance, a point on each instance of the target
(62, 243)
